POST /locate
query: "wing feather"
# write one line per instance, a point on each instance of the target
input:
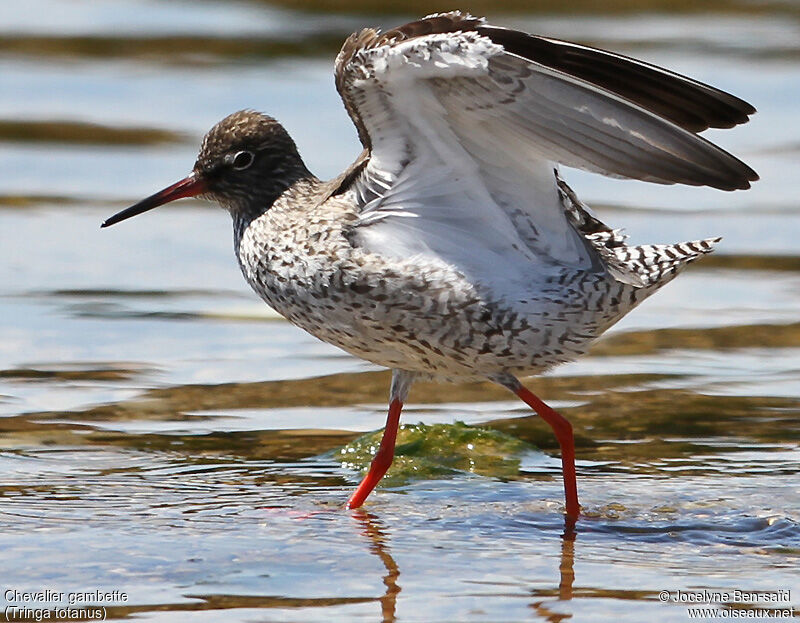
(688, 103)
(463, 122)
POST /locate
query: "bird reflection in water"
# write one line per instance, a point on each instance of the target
(566, 569)
(374, 530)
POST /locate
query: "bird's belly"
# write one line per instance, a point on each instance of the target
(431, 323)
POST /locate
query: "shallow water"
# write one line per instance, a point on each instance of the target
(166, 436)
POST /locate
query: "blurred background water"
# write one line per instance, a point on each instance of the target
(165, 434)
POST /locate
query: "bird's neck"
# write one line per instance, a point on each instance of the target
(268, 194)
(291, 192)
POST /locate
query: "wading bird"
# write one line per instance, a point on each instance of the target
(452, 248)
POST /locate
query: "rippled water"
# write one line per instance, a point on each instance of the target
(167, 436)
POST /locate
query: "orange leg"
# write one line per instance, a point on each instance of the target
(563, 430)
(383, 458)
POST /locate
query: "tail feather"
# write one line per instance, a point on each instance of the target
(647, 265)
(641, 266)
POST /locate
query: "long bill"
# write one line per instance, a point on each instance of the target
(189, 186)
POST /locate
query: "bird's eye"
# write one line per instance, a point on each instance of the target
(242, 160)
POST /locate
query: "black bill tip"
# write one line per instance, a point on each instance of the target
(187, 187)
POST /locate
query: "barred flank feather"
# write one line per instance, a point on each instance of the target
(642, 266)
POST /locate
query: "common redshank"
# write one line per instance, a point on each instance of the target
(452, 249)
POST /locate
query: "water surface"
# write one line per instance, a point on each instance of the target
(166, 435)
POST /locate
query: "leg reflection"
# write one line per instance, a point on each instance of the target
(566, 579)
(373, 529)
(566, 568)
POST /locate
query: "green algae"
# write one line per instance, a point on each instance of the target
(439, 450)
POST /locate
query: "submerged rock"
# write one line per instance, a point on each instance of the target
(437, 450)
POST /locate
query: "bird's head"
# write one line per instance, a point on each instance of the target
(245, 162)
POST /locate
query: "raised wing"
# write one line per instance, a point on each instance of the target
(688, 103)
(463, 123)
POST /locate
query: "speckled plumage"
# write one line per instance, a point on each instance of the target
(452, 248)
(424, 316)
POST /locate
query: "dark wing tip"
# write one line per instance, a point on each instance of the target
(747, 175)
(734, 175)
(690, 104)
(687, 103)
(750, 176)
